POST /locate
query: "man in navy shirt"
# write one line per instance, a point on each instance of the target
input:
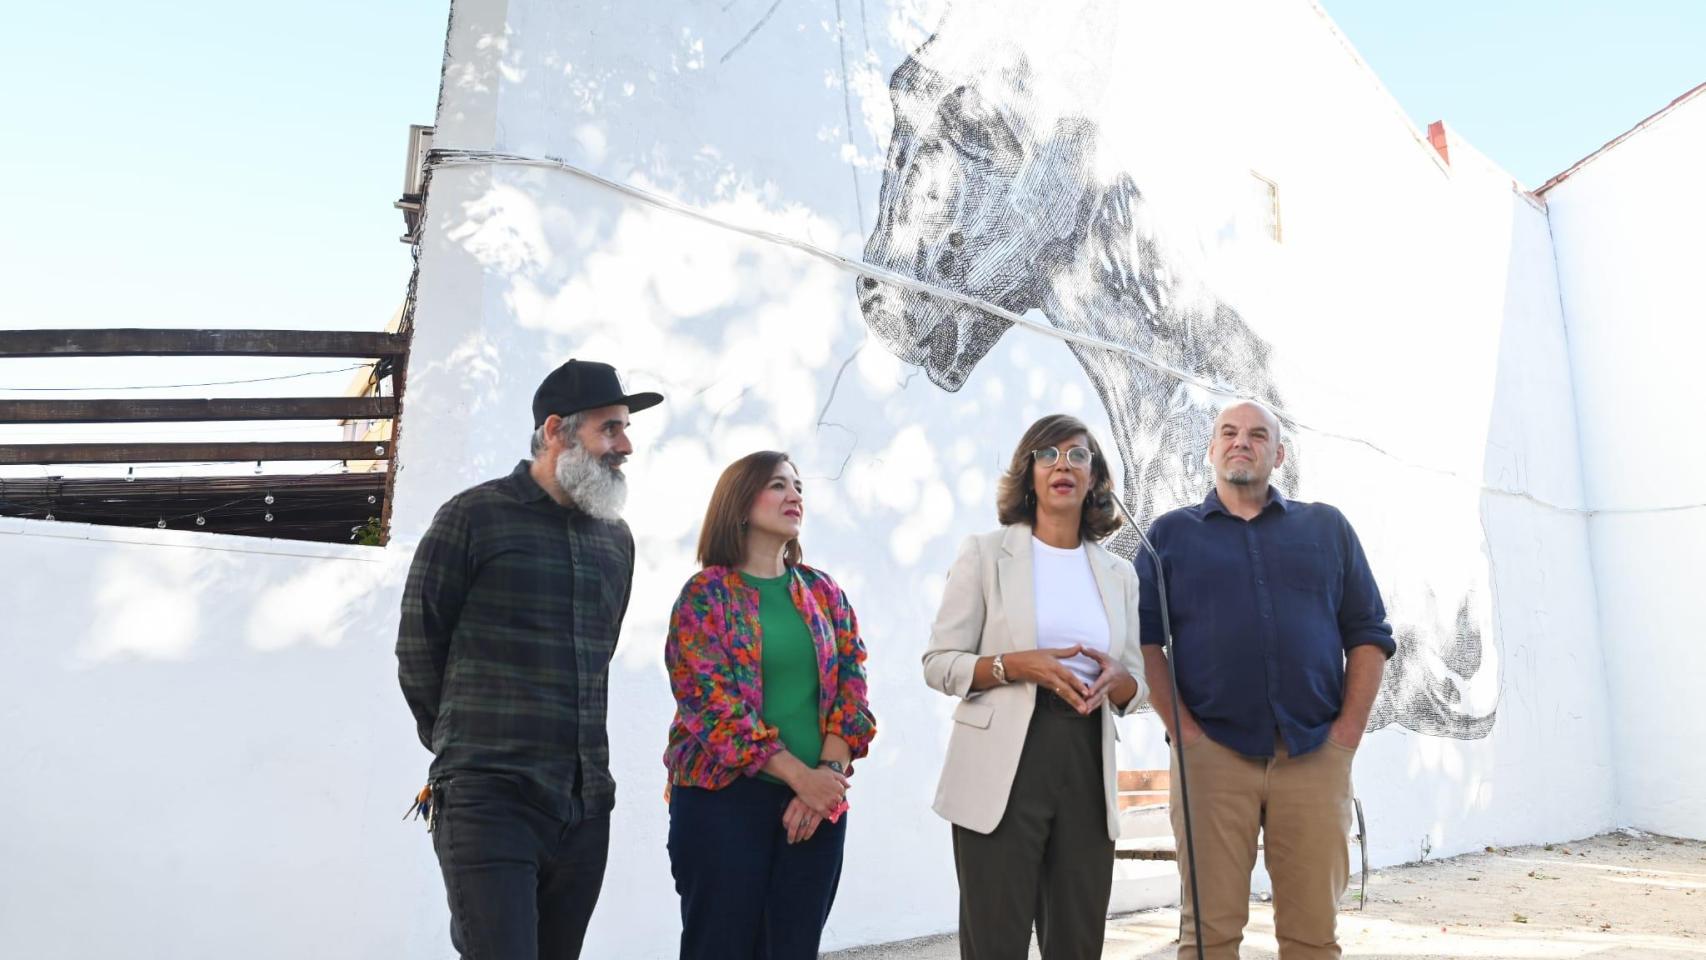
(1281, 638)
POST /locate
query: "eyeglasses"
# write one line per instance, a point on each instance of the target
(1076, 457)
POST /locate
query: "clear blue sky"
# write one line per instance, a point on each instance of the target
(205, 164)
(210, 164)
(1534, 85)
(198, 162)
(227, 164)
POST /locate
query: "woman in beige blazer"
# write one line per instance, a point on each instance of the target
(1038, 637)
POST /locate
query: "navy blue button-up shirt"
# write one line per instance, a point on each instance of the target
(1263, 613)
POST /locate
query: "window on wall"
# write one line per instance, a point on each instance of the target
(1265, 205)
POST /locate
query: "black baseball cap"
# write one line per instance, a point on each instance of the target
(585, 385)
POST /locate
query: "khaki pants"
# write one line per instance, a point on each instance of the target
(1302, 808)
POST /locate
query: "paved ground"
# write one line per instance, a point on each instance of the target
(1614, 897)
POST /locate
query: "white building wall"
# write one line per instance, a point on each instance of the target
(202, 751)
(1411, 305)
(213, 752)
(1626, 227)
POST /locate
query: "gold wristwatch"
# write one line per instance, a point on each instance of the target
(999, 669)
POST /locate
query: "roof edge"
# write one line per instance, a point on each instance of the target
(1417, 132)
(1637, 128)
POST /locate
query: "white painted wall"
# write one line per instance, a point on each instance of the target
(212, 753)
(202, 752)
(1411, 305)
(1629, 248)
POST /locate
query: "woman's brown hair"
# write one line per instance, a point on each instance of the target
(722, 538)
(1016, 501)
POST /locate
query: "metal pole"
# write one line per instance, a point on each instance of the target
(1178, 745)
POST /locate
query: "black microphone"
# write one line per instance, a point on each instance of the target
(1178, 740)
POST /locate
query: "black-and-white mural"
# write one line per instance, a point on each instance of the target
(996, 186)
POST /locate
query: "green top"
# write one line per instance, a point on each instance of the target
(789, 665)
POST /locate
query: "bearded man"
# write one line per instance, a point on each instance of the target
(510, 616)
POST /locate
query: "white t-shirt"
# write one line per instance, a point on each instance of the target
(1069, 606)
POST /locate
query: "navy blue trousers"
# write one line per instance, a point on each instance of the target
(746, 893)
(522, 882)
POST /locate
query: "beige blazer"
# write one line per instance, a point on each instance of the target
(989, 607)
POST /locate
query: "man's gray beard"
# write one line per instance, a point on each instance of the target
(1241, 477)
(596, 488)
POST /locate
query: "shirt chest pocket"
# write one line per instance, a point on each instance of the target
(528, 582)
(1309, 567)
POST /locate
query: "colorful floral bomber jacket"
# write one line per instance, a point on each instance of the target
(712, 653)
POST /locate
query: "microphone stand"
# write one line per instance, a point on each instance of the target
(1178, 739)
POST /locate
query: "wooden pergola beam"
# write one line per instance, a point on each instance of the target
(196, 343)
(46, 453)
(183, 411)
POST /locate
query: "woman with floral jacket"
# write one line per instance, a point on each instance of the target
(767, 669)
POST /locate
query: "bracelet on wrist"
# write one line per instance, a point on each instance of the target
(835, 765)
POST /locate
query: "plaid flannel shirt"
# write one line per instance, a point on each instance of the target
(510, 616)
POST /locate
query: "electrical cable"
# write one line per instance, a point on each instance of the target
(173, 430)
(469, 158)
(174, 386)
(1178, 739)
